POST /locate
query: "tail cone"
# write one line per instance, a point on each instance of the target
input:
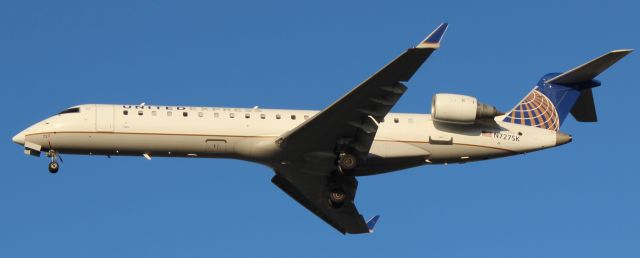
(562, 138)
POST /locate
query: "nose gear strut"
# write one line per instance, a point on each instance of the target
(53, 165)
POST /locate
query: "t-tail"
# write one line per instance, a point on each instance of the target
(556, 95)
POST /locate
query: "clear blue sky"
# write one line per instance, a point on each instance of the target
(578, 200)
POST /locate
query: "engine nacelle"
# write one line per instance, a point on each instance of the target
(460, 109)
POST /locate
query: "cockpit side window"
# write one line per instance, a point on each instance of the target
(71, 110)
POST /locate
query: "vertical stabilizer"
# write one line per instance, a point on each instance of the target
(558, 94)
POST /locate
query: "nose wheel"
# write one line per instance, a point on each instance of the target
(53, 165)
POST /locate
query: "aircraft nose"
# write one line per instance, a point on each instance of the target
(562, 138)
(19, 138)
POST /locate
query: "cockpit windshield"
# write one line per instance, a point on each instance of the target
(71, 110)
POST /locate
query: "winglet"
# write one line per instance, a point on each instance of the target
(434, 39)
(372, 223)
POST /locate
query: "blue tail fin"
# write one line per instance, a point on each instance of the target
(556, 95)
(546, 106)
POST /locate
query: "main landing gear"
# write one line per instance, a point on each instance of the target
(342, 184)
(341, 190)
(337, 197)
(346, 162)
(53, 165)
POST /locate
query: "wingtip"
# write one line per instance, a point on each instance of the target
(435, 37)
(622, 52)
(619, 53)
(372, 223)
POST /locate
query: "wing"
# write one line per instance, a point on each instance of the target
(312, 192)
(352, 121)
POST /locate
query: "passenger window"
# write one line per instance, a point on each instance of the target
(200, 114)
(278, 116)
(154, 113)
(140, 112)
(262, 116)
(232, 115)
(216, 115)
(125, 112)
(247, 115)
(396, 120)
(306, 117)
(293, 117)
(169, 113)
(185, 114)
(411, 120)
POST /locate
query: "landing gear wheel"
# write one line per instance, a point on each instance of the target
(337, 198)
(53, 167)
(347, 162)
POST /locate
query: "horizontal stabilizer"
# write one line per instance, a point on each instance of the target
(588, 71)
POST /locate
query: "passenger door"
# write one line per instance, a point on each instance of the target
(104, 118)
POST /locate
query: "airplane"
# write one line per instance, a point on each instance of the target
(317, 155)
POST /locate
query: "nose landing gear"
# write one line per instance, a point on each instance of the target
(53, 165)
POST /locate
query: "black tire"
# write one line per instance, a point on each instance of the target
(53, 167)
(347, 161)
(337, 197)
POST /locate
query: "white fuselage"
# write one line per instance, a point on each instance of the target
(402, 140)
